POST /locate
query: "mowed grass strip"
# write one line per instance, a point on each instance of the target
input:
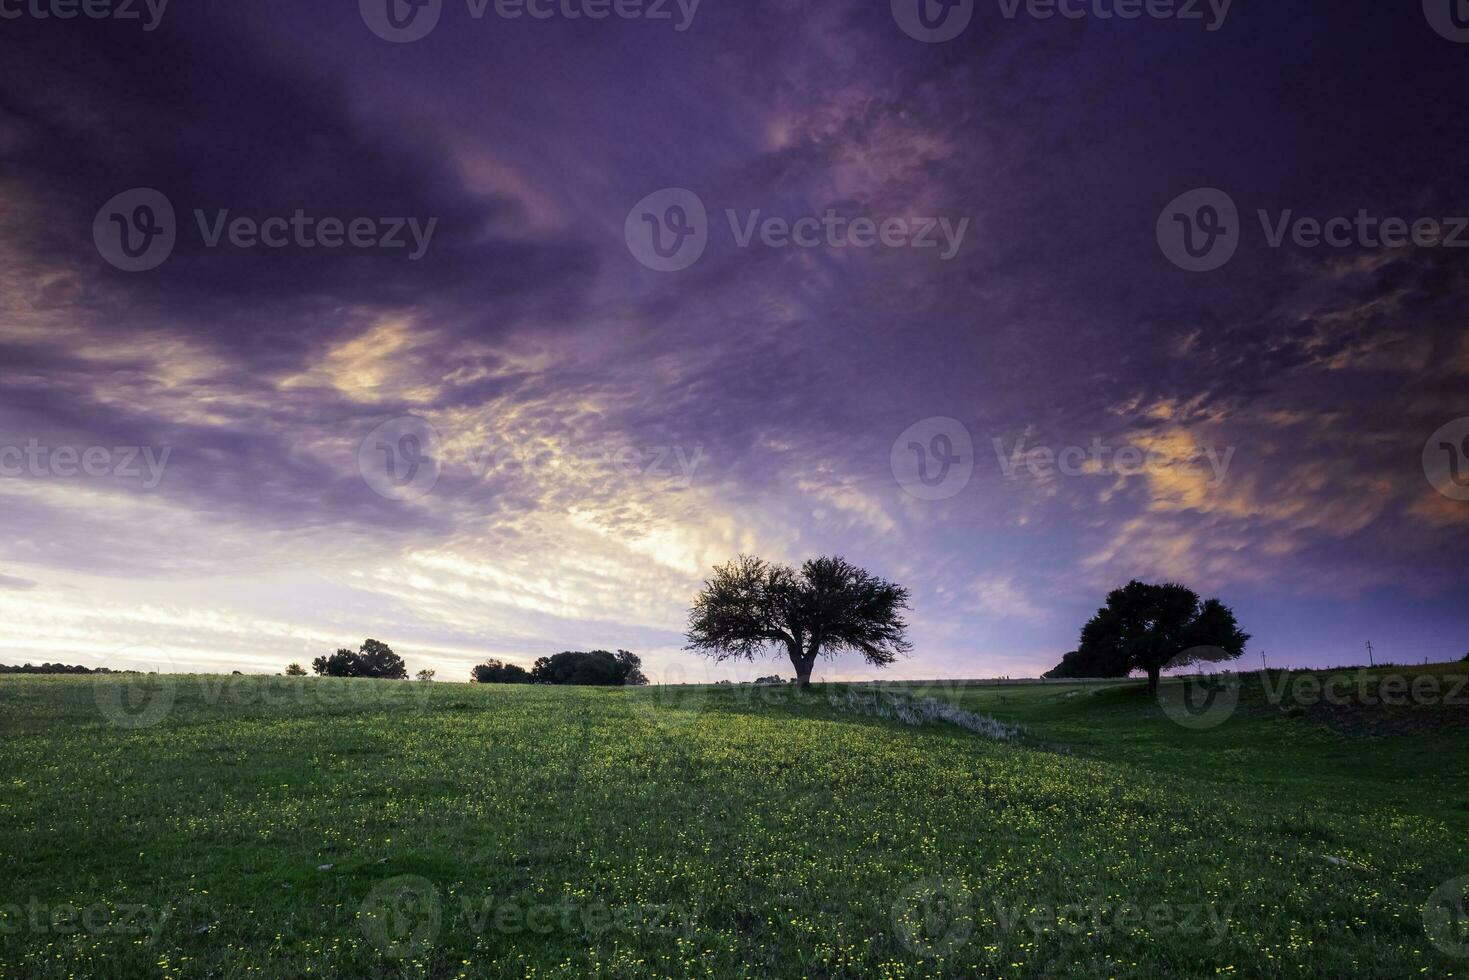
(290, 827)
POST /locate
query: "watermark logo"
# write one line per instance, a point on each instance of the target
(135, 231)
(139, 690)
(933, 459)
(1446, 459)
(401, 21)
(1450, 18)
(1199, 230)
(1446, 917)
(401, 917)
(934, 917)
(668, 230)
(933, 21)
(399, 459)
(1199, 702)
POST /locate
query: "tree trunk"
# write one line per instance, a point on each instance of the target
(1153, 673)
(803, 662)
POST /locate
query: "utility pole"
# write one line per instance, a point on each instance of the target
(1369, 654)
(1263, 664)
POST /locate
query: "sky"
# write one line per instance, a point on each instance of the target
(488, 330)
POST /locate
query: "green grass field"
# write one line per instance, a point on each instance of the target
(267, 827)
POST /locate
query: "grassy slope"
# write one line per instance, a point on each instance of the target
(724, 836)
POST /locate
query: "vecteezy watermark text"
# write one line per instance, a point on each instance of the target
(1200, 230)
(143, 463)
(96, 919)
(675, 464)
(402, 459)
(136, 230)
(937, 916)
(148, 12)
(1098, 458)
(934, 459)
(404, 21)
(404, 916)
(1366, 689)
(669, 229)
(831, 230)
(1211, 12)
(935, 21)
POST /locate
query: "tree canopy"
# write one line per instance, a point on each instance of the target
(595, 667)
(1152, 627)
(752, 607)
(373, 659)
(494, 671)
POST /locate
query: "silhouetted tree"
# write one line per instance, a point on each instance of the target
(1152, 627)
(427, 674)
(295, 670)
(498, 672)
(374, 659)
(343, 663)
(632, 669)
(594, 667)
(752, 607)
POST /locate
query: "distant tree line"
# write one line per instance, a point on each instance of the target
(594, 668)
(49, 668)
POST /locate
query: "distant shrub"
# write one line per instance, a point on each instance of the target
(374, 659)
(295, 670)
(597, 668)
(499, 672)
(427, 674)
(772, 679)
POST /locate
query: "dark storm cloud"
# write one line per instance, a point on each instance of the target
(218, 123)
